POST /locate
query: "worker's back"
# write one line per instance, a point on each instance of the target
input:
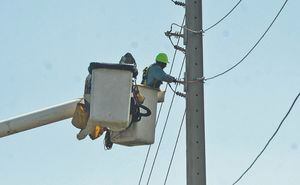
(154, 75)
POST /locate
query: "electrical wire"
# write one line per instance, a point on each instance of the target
(177, 92)
(171, 88)
(223, 17)
(174, 149)
(160, 108)
(247, 54)
(165, 125)
(212, 26)
(188, 29)
(271, 138)
(149, 148)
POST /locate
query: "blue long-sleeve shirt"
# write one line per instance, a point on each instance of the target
(156, 75)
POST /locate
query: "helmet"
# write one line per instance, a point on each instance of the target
(162, 57)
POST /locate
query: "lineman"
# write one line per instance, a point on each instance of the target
(154, 75)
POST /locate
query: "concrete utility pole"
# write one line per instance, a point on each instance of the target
(195, 131)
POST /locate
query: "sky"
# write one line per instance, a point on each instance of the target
(46, 47)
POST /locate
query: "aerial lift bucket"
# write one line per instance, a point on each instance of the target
(110, 97)
(143, 131)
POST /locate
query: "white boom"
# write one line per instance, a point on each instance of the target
(38, 118)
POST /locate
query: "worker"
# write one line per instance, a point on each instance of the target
(154, 75)
(129, 60)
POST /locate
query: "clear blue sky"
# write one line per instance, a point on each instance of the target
(45, 49)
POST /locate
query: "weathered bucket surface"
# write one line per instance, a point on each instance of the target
(142, 132)
(110, 96)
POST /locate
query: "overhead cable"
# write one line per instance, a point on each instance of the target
(156, 122)
(160, 108)
(271, 138)
(210, 27)
(174, 149)
(188, 29)
(165, 125)
(223, 17)
(247, 54)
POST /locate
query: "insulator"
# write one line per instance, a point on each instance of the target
(168, 33)
(179, 48)
(177, 34)
(179, 3)
(181, 94)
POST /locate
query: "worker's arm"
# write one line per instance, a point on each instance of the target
(162, 76)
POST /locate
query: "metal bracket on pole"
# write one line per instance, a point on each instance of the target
(173, 34)
(180, 49)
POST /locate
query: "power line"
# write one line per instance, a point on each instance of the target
(177, 92)
(145, 162)
(160, 108)
(263, 35)
(223, 17)
(186, 28)
(274, 134)
(149, 148)
(165, 125)
(174, 149)
(212, 26)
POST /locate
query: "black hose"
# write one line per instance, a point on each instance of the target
(148, 111)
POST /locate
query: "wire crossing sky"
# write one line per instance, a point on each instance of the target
(46, 47)
(247, 54)
(267, 144)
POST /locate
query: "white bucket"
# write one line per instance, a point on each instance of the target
(110, 97)
(142, 132)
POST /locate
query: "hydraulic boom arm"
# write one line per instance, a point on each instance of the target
(38, 118)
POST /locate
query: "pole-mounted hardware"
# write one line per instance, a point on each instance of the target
(174, 34)
(178, 3)
(180, 49)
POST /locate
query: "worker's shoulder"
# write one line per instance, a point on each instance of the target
(154, 67)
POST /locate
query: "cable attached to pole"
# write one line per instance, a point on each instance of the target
(188, 29)
(176, 92)
(223, 17)
(247, 54)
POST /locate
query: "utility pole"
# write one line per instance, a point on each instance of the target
(195, 130)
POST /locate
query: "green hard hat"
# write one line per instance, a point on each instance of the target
(162, 57)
